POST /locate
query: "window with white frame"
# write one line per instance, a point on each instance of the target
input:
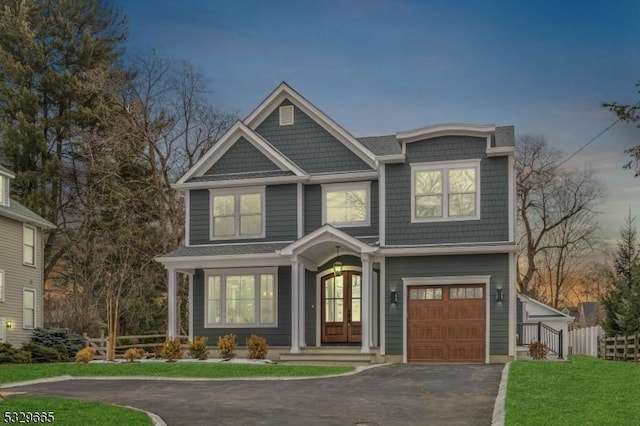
(445, 191)
(4, 196)
(237, 214)
(29, 245)
(1, 285)
(240, 299)
(28, 308)
(347, 204)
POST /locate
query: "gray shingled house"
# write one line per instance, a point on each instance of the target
(21, 266)
(393, 248)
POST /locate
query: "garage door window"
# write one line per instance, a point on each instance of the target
(466, 293)
(434, 293)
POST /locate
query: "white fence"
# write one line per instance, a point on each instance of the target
(584, 341)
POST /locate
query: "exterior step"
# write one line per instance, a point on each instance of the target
(329, 355)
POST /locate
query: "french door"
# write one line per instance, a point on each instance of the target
(341, 303)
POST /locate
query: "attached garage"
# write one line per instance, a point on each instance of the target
(446, 323)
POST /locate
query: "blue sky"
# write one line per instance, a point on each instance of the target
(379, 67)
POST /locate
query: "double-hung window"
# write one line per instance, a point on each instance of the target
(28, 308)
(29, 245)
(237, 214)
(241, 299)
(347, 204)
(445, 191)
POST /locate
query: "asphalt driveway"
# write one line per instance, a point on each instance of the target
(388, 395)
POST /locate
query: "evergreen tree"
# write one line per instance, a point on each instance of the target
(622, 303)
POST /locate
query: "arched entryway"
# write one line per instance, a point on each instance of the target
(341, 316)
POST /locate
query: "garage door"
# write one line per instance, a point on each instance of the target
(446, 323)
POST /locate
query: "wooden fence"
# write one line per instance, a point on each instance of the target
(145, 341)
(621, 348)
(585, 341)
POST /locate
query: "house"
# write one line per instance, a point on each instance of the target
(538, 321)
(21, 266)
(590, 314)
(398, 247)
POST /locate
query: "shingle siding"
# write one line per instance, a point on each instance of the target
(18, 277)
(281, 215)
(308, 144)
(242, 157)
(494, 195)
(496, 265)
(276, 336)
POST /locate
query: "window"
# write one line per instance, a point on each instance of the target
(286, 115)
(466, 293)
(241, 299)
(237, 215)
(430, 293)
(347, 204)
(445, 191)
(29, 245)
(4, 196)
(1, 285)
(28, 308)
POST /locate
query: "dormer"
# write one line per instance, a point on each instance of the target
(5, 178)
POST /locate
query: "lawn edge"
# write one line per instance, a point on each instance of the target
(499, 406)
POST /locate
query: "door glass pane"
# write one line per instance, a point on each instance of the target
(329, 313)
(339, 287)
(328, 288)
(339, 310)
(356, 286)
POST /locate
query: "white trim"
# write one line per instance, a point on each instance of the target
(365, 305)
(236, 193)
(4, 190)
(35, 307)
(2, 284)
(512, 304)
(284, 91)
(35, 245)
(348, 186)
(187, 217)
(302, 283)
(172, 329)
(448, 129)
(480, 248)
(383, 305)
(322, 234)
(295, 309)
(190, 275)
(229, 261)
(343, 177)
(286, 115)
(238, 130)
(275, 180)
(447, 281)
(255, 272)
(526, 299)
(382, 205)
(444, 167)
(391, 158)
(300, 209)
(500, 151)
(512, 196)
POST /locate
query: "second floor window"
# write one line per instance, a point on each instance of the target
(237, 215)
(29, 245)
(347, 204)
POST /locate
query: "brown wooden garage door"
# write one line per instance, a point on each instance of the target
(446, 323)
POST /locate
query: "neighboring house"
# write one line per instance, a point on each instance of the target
(21, 266)
(530, 313)
(590, 314)
(400, 247)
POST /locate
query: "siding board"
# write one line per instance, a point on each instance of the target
(242, 157)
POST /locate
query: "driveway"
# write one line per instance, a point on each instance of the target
(388, 395)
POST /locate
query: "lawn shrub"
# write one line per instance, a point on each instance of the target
(198, 348)
(58, 338)
(227, 346)
(133, 354)
(257, 347)
(172, 349)
(538, 350)
(11, 355)
(41, 353)
(85, 355)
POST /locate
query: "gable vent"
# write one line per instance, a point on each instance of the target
(286, 115)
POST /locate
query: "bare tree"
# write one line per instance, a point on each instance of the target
(557, 219)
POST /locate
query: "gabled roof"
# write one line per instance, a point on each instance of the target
(17, 211)
(284, 91)
(547, 311)
(330, 234)
(437, 130)
(238, 130)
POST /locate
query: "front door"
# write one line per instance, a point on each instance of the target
(341, 301)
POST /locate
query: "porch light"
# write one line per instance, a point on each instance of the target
(394, 297)
(499, 295)
(337, 265)
(9, 324)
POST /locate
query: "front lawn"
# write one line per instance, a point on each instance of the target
(584, 391)
(69, 412)
(11, 373)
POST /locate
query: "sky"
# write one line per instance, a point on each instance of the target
(378, 67)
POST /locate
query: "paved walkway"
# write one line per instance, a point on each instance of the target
(388, 395)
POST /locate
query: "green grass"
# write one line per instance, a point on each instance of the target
(70, 412)
(584, 391)
(11, 373)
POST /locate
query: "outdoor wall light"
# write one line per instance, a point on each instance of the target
(394, 297)
(9, 324)
(499, 295)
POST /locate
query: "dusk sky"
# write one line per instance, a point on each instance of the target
(379, 67)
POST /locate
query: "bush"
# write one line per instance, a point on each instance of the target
(538, 350)
(42, 354)
(257, 347)
(85, 355)
(58, 338)
(227, 346)
(133, 354)
(11, 355)
(198, 348)
(172, 350)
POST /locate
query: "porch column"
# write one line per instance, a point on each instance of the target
(190, 275)
(301, 314)
(172, 304)
(295, 306)
(366, 304)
